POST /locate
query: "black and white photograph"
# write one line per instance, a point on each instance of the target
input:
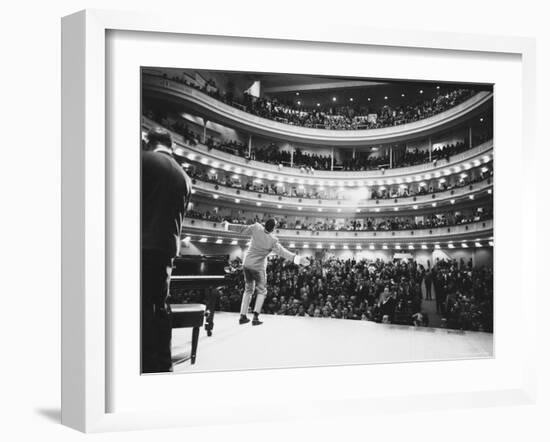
(303, 220)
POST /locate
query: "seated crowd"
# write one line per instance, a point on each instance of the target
(201, 173)
(356, 224)
(337, 117)
(305, 161)
(389, 292)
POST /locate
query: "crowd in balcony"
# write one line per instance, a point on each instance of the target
(349, 117)
(379, 291)
(369, 224)
(309, 162)
(203, 173)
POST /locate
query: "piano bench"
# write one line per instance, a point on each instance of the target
(189, 315)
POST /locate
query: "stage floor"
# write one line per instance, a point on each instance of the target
(288, 341)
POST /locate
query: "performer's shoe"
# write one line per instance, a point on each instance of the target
(256, 321)
(243, 319)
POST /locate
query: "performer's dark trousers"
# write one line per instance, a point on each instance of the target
(156, 327)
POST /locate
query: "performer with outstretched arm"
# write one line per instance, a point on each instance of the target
(262, 243)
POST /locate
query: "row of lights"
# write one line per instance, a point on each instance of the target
(357, 210)
(354, 183)
(448, 245)
(334, 99)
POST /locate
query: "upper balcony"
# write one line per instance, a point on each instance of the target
(231, 163)
(215, 110)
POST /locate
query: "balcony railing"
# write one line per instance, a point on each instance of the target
(481, 229)
(271, 201)
(215, 109)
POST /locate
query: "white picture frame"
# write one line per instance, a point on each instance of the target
(85, 213)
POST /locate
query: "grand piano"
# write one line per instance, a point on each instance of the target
(197, 279)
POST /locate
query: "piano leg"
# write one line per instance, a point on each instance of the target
(211, 304)
(194, 344)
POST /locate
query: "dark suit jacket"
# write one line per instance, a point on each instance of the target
(165, 193)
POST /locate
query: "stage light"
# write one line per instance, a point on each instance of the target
(397, 247)
(437, 87)
(437, 246)
(219, 241)
(415, 207)
(452, 201)
(319, 210)
(258, 204)
(424, 247)
(339, 210)
(279, 206)
(358, 210)
(202, 240)
(237, 170)
(345, 246)
(371, 247)
(358, 247)
(299, 103)
(213, 171)
(297, 93)
(451, 245)
(204, 161)
(490, 191)
(396, 209)
(237, 200)
(481, 120)
(215, 196)
(478, 244)
(377, 209)
(318, 104)
(411, 247)
(491, 243)
(191, 156)
(368, 99)
(434, 204)
(193, 191)
(333, 98)
(421, 91)
(471, 197)
(351, 99)
(300, 208)
(385, 247)
(187, 239)
(422, 184)
(385, 97)
(305, 246)
(402, 95)
(332, 247)
(234, 242)
(464, 245)
(215, 164)
(248, 243)
(292, 245)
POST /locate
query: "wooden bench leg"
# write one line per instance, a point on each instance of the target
(194, 344)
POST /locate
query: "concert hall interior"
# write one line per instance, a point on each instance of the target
(386, 185)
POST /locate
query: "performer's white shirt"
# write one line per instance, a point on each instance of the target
(261, 245)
